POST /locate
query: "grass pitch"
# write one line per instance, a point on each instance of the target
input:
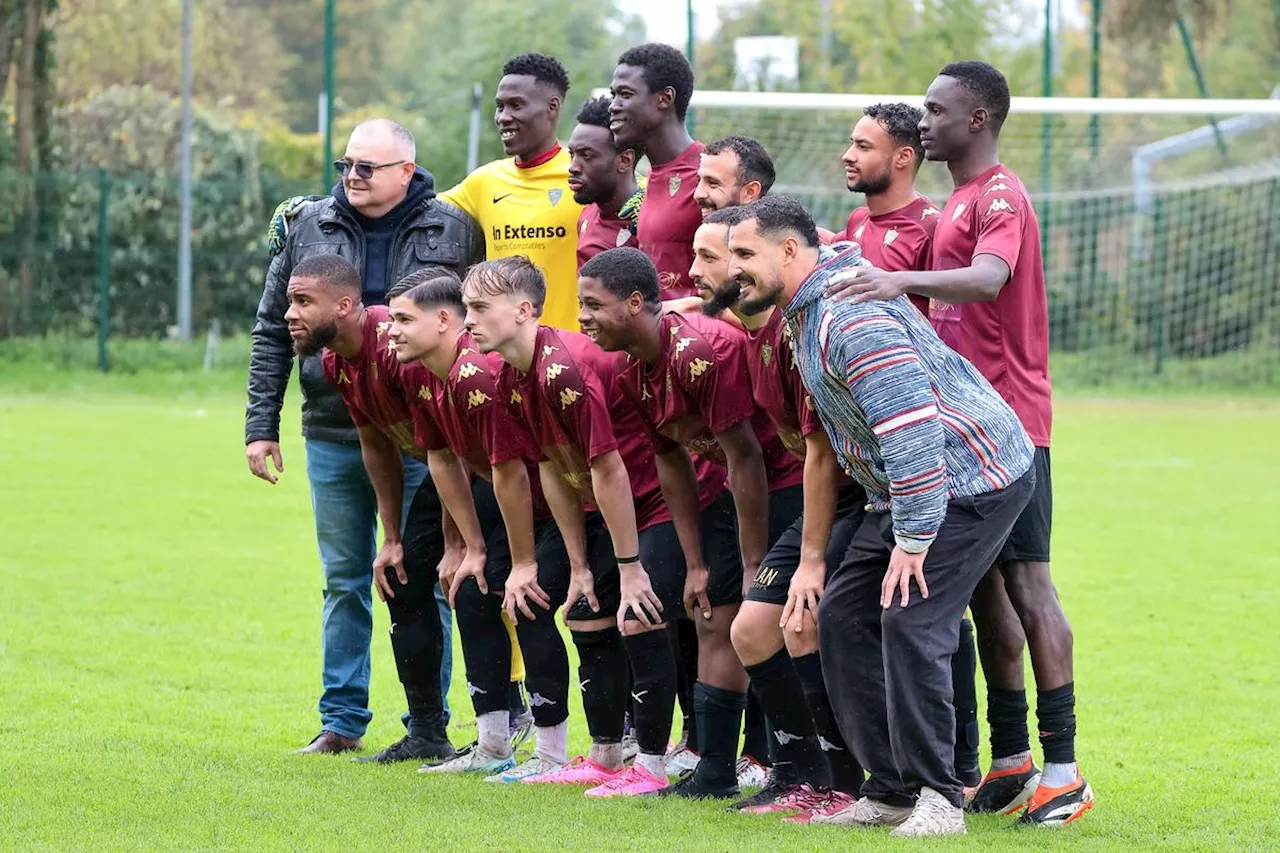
(159, 646)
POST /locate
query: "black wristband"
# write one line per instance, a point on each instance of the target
(622, 560)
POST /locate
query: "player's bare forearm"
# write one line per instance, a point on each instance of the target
(511, 488)
(385, 467)
(980, 282)
(566, 509)
(750, 487)
(454, 487)
(679, 486)
(612, 487)
(821, 486)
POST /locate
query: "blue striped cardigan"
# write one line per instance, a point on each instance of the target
(909, 418)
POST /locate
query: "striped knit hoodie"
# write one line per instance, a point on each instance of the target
(909, 418)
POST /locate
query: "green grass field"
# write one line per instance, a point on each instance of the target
(159, 645)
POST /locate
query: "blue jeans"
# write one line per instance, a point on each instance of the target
(346, 511)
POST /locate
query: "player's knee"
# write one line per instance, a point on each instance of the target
(469, 600)
(804, 643)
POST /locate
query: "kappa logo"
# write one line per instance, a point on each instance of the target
(958, 212)
(391, 345)
(555, 370)
(537, 700)
(477, 398)
(930, 211)
(785, 738)
(469, 369)
(383, 326)
(998, 205)
(472, 690)
(998, 176)
(343, 379)
(553, 195)
(828, 746)
(547, 349)
(515, 397)
(623, 236)
(639, 697)
(997, 188)
(582, 685)
(890, 236)
(424, 393)
(697, 367)
(569, 396)
(682, 345)
(673, 186)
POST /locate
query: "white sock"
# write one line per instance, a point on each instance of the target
(607, 755)
(1058, 775)
(1009, 762)
(553, 741)
(494, 731)
(655, 764)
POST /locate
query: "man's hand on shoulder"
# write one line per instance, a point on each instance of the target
(278, 227)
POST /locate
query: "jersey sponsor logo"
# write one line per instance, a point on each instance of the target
(477, 398)
(529, 232)
(998, 205)
(623, 236)
(469, 369)
(673, 186)
(569, 396)
(890, 236)
(554, 194)
(697, 367)
(498, 198)
(958, 212)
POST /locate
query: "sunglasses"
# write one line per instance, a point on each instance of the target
(362, 170)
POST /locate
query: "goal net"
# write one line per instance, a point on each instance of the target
(1161, 220)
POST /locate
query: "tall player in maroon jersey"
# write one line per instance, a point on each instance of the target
(599, 469)
(651, 89)
(466, 429)
(325, 311)
(986, 259)
(602, 176)
(689, 376)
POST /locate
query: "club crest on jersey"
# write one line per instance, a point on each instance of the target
(673, 185)
(623, 236)
(553, 195)
(956, 214)
(766, 354)
(890, 236)
(857, 235)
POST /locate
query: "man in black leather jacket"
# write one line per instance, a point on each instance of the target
(383, 217)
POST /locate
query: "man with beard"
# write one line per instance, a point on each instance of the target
(603, 178)
(688, 374)
(523, 203)
(325, 313)
(947, 468)
(814, 774)
(986, 265)
(895, 229)
(384, 216)
(651, 89)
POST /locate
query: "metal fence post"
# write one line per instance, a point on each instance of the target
(104, 268)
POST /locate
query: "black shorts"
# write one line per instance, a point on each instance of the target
(1028, 542)
(773, 581)
(785, 506)
(604, 571)
(553, 560)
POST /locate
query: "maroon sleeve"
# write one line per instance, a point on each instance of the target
(1000, 214)
(426, 433)
(575, 396)
(712, 370)
(476, 396)
(341, 379)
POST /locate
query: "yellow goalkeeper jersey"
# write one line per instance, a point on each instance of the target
(528, 210)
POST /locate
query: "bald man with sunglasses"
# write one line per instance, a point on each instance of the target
(383, 217)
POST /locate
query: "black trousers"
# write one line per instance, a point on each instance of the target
(888, 671)
(417, 640)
